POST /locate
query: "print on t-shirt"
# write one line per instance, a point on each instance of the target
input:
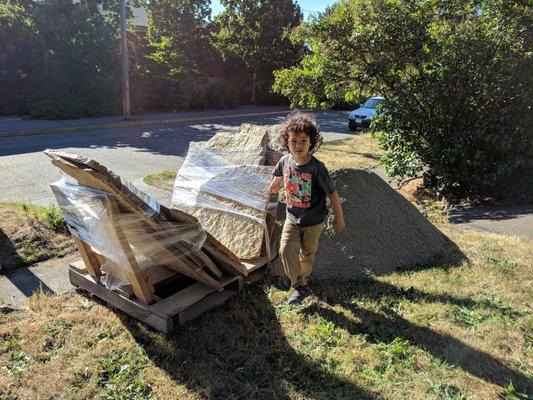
(298, 188)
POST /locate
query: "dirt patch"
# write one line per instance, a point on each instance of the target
(30, 234)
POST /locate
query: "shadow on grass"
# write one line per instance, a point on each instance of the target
(9, 258)
(12, 266)
(239, 351)
(385, 326)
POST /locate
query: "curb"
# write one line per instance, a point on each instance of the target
(134, 123)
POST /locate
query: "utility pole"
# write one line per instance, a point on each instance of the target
(125, 62)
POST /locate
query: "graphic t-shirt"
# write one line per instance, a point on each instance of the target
(306, 188)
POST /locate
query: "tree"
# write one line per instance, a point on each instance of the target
(60, 59)
(457, 79)
(178, 34)
(182, 68)
(20, 43)
(256, 33)
(329, 75)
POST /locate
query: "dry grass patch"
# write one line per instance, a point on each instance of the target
(360, 152)
(163, 180)
(30, 233)
(446, 332)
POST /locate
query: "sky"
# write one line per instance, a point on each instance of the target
(306, 5)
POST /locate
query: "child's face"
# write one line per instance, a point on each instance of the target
(298, 143)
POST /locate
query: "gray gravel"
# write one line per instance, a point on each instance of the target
(384, 232)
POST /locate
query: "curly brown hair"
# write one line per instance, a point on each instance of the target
(300, 122)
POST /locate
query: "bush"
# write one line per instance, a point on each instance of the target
(59, 60)
(458, 109)
(457, 77)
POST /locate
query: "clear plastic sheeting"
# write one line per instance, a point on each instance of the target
(227, 190)
(128, 237)
(215, 179)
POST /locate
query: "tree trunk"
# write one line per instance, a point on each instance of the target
(252, 96)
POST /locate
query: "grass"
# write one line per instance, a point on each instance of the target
(31, 233)
(163, 180)
(359, 151)
(461, 332)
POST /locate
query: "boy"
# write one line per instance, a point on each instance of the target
(307, 183)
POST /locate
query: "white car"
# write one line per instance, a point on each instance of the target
(360, 118)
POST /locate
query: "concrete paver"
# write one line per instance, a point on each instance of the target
(50, 277)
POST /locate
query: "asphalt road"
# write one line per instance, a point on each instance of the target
(132, 152)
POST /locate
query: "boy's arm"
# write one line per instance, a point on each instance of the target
(338, 222)
(275, 184)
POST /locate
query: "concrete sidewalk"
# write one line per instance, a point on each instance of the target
(14, 126)
(51, 276)
(511, 220)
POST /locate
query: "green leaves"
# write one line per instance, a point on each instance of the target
(59, 59)
(256, 33)
(456, 76)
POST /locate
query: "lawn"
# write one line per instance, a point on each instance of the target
(446, 332)
(450, 331)
(31, 233)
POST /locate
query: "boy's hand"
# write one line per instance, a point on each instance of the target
(275, 185)
(338, 224)
(338, 216)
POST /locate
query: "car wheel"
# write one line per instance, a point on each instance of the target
(352, 126)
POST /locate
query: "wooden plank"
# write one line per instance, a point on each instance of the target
(256, 274)
(135, 277)
(207, 303)
(132, 307)
(157, 273)
(172, 256)
(203, 259)
(79, 266)
(252, 265)
(228, 264)
(99, 257)
(88, 257)
(188, 296)
(163, 256)
(89, 177)
(125, 290)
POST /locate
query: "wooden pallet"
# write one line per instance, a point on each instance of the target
(169, 312)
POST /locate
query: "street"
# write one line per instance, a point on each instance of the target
(132, 151)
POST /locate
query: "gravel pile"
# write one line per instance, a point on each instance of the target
(384, 232)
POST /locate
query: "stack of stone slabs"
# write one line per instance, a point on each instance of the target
(224, 184)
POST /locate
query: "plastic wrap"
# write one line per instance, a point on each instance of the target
(227, 190)
(112, 228)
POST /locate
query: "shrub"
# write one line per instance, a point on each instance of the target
(457, 76)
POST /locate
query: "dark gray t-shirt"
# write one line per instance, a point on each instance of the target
(306, 188)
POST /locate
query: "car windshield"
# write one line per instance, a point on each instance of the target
(372, 103)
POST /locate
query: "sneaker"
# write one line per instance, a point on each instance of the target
(283, 283)
(299, 294)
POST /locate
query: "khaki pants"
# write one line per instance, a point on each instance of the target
(297, 251)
